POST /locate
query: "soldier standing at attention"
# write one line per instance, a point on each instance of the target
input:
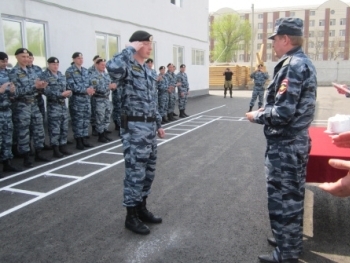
(287, 115)
(91, 70)
(228, 81)
(171, 78)
(6, 125)
(259, 77)
(57, 112)
(149, 63)
(183, 90)
(27, 116)
(101, 82)
(163, 95)
(79, 83)
(140, 124)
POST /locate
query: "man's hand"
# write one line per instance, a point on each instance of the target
(112, 86)
(178, 84)
(161, 133)
(159, 78)
(182, 94)
(250, 115)
(341, 188)
(137, 45)
(3, 87)
(12, 88)
(90, 91)
(66, 93)
(44, 84)
(342, 140)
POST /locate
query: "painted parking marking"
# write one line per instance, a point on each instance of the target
(21, 191)
(94, 163)
(62, 175)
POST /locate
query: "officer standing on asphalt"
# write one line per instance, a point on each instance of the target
(6, 125)
(287, 115)
(259, 77)
(171, 78)
(27, 116)
(228, 81)
(91, 70)
(79, 83)
(101, 82)
(140, 123)
(57, 112)
(163, 95)
(183, 90)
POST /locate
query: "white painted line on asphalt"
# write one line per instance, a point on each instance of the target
(63, 176)
(16, 190)
(113, 153)
(168, 133)
(93, 163)
(177, 129)
(190, 125)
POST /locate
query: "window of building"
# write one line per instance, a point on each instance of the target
(197, 57)
(153, 55)
(292, 14)
(312, 23)
(321, 22)
(331, 33)
(269, 25)
(311, 33)
(260, 36)
(312, 13)
(332, 22)
(342, 32)
(268, 57)
(320, 33)
(178, 56)
(176, 2)
(258, 46)
(341, 43)
(260, 16)
(268, 45)
(341, 55)
(320, 56)
(26, 33)
(342, 21)
(107, 45)
(331, 44)
(320, 44)
(311, 44)
(260, 25)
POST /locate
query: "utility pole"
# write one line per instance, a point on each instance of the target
(252, 45)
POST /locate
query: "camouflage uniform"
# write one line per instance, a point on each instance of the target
(28, 119)
(91, 70)
(183, 88)
(116, 101)
(258, 90)
(171, 78)
(100, 82)
(139, 101)
(163, 95)
(57, 112)
(79, 102)
(6, 126)
(289, 111)
(39, 95)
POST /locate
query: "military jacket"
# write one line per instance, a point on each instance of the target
(100, 82)
(291, 97)
(259, 78)
(182, 77)
(5, 97)
(36, 69)
(56, 85)
(162, 84)
(24, 81)
(77, 80)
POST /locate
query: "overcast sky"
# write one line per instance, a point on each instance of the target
(214, 5)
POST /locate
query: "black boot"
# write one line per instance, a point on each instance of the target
(56, 152)
(15, 152)
(182, 114)
(85, 143)
(39, 157)
(133, 223)
(145, 215)
(63, 149)
(250, 108)
(101, 137)
(174, 114)
(26, 161)
(108, 131)
(1, 176)
(80, 145)
(106, 136)
(94, 132)
(185, 113)
(117, 127)
(47, 147)
(170, 117)
(164, 120)
(8, 167)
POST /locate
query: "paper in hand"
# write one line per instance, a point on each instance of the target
(341, 89)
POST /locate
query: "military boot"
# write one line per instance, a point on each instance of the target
(174, 119)
(250, 108)
(15, 152)
(133, 223)
(182, 114)
(174, 114)
(117, 127)
(39, 157)
(80, 145)
(1, 176)
(47, 147)
(170, 117)
(56, 152)
(186, 113)
(145, 215)
(63, 149)
(85, 143)
(94, 132)
(8, 167)
(106, 136)
(101, 137)
(26, 162)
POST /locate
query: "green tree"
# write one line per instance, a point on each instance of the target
(228, 32)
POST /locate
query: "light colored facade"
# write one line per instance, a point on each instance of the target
(326, 30)
(60, 28)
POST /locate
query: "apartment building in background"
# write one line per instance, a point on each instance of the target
(326, 30)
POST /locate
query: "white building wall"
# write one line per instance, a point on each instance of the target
(72, 24)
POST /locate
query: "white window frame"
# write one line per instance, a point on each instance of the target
(342, 32)
(331, 33)
(198, 57)
(342, 21)
(332, 22)
(106, 36)
(178, 3)
(177, 61)
(312, 23)
(321, 22)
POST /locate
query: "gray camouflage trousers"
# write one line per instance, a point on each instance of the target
(163, 101)
(6, 131)
(116, 101)
(258, 92)
(182, 101)
(81, 114)
(93, 112)
(28, 122)
(57, 119)
(171, 103)
(140, 154)
(285, 167)
(103, 110)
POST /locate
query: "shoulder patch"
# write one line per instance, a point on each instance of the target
(284, 86)
(136, 68)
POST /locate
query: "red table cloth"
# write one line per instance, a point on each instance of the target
(318, 169)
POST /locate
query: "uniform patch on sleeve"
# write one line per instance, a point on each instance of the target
(136, 68)
(284, 86)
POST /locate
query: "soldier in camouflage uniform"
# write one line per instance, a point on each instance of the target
(6, 126)
(140, 124)
(163, 95)
(259, 78)
(57, 112)
(101, 82)
(183, 90)
(287, 115)
(91, 70)
(79, 83)
(27, 116)
(171, 79)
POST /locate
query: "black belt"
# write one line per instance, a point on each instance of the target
(141, 119)
(62, 102)
(26, 100)
(79, 94)
(4, 108)
(100, 96)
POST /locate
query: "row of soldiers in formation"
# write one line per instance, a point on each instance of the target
(22, 109)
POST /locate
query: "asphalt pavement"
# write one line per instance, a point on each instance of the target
(209, 189)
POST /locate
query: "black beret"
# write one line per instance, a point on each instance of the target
(53, 60)
(95, 57)
(170, 64)
(98, 61)
(149, 60)
(30, 53)
(161, 67)
(76, 55)
(3, 56)
(183, 66)
(20, 51)
(141, 36)
(289, 26)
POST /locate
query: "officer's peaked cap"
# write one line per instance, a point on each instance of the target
(288, 26)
